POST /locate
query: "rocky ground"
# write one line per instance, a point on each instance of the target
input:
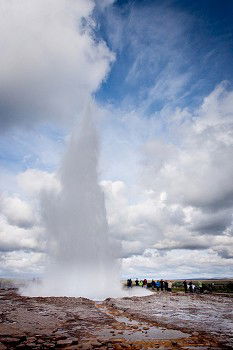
(159, 321)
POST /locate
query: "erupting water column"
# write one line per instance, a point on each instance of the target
(80, 252)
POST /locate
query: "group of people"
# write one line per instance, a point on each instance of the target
(166, 285)
(192, 288)
(159, 285)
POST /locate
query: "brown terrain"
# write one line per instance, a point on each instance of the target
(159, 321)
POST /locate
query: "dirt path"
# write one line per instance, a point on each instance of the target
(79, 323)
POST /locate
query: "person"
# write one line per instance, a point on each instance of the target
(185, 286)
(137, 282)
(129, 283)
(145, 283)
(169, 286)
(166, 286)
(157, 285)
(153, 284)
(191, 286)
(141, 283)
(161, 284)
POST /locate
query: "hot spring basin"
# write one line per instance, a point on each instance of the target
(137, 331)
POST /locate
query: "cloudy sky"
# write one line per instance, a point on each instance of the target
(160, 78)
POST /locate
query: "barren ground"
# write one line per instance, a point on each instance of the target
(159, 321)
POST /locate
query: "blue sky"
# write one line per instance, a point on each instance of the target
(166, 39)
(159, 77)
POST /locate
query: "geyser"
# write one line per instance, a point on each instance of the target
(81, 255)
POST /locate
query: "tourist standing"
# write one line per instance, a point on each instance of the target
(153, 284)
(145, 283)
(129, 283)
(185, 286)
(157, 285)
(169, 286)
(161, 284)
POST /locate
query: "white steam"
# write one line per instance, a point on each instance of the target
(82, 261)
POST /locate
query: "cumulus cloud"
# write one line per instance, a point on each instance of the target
(21, 227)
(13, 238)
(50, 63)
(174, 264)
(17, 212)
(196, 172)
(34, 181)
(136, 225)
(21, 263)
(185, 201)
(192, 172)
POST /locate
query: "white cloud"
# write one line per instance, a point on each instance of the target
(17, 212)
(20, 220)
(33, 181)
(50, 63)
(21, 263)
(104, 3)
(13, 238)
(184, 200)
(178, 264)
(192, 172)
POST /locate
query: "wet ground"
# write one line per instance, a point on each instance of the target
(160, 321)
